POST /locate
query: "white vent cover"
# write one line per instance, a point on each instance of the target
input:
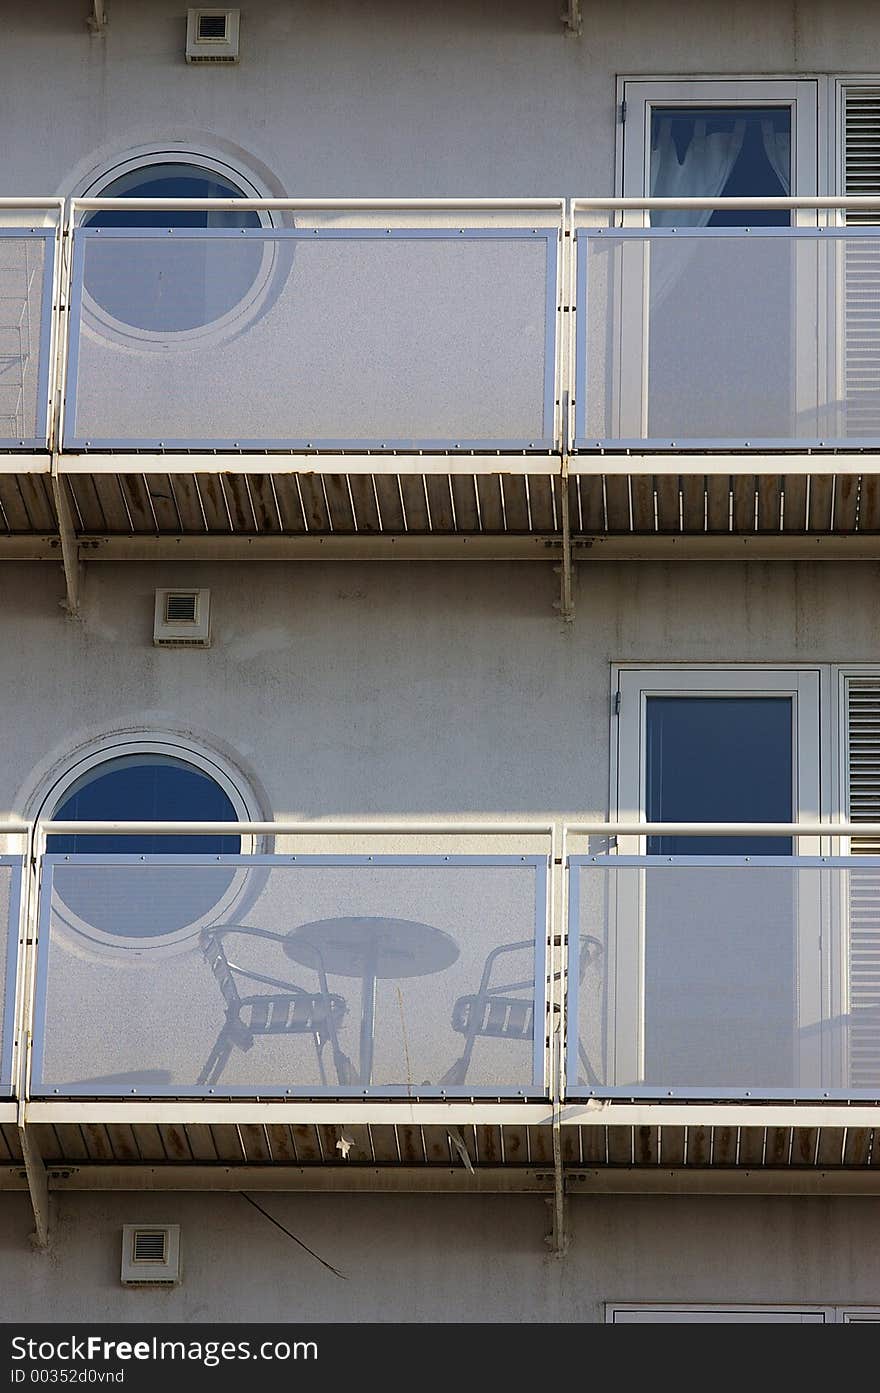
(182, 618)
(861, 346)
(863, 803)
(212, 36)
(150, 1253)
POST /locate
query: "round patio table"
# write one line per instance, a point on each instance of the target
(371, 947)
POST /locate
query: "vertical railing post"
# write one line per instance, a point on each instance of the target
(69, 547)
(557, 1239)
(34, 1166)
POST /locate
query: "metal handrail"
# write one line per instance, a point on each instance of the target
(860, 200)
(293, 205)
(724, 829)
(291, 828)
(473, 828)
(20, 202)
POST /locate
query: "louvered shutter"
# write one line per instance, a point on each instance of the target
(861, 175)
(863, 770)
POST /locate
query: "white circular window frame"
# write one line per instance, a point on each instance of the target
(85, 940)
(99, 323)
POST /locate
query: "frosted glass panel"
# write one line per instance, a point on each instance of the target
(724, 978)
(314, 975)
(707, 336)
(25, 303)
(245, 339)
(10, 893)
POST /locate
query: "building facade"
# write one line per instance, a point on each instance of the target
(466, 525)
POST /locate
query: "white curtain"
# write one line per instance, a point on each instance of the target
(777, 148)
(704, 171)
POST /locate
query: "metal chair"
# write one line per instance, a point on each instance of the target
(495, 1012)
(291, 1011)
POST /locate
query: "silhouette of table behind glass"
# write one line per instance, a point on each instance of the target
(372, 948)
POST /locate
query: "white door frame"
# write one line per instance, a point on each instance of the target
(626, 947)
(630, 292)
(641, 94)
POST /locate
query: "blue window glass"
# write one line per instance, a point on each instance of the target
(168, 288)
(145, 788)
(720, 960)
(171, 181)
(719, 759)
(721, 152)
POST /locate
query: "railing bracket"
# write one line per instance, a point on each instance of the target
(565, 570)
(97, 20)
(73, 568)
(557, 1237)
(38, 1185)
(572, 19)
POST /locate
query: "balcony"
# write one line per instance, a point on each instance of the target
(464, 1007)
(534, 379)
(279, 976)
(453, 1019)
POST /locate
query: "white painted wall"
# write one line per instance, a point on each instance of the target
(394, 688)
(439, 1258)
(472, 97)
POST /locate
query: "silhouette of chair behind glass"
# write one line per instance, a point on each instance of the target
(495, 1012)
(291, 1011)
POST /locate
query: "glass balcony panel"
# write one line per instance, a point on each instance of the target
(325, 338)
(10, 918)
(183, 976)
(725, 978)
(25, 331)
(718, 337)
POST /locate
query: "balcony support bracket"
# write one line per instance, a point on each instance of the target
(557, 1237)
(97, 20)
(565, 570)
(38, 1185)
(572, 19)
(73, 568)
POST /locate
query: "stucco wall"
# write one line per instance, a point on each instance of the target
(439, 1258)
(395, 688)
(474, 97)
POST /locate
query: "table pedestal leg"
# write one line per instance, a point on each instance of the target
(368, 1015)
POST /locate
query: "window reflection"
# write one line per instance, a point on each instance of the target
(176, 287)
(719, 759)
(720, 152)
(96, 902)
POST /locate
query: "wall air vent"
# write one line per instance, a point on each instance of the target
(181, 619)
(150, 1254)
(212, 36)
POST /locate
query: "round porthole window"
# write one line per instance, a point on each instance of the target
(168, 275)
(146, 891)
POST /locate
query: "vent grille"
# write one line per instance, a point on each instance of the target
(150, 1254)
(863, 763)
(182, 607)
(212, 35)
(149, 1245)
(861, 175)
(212, 26)
(181, 618)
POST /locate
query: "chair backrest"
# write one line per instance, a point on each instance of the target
(212, 947)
